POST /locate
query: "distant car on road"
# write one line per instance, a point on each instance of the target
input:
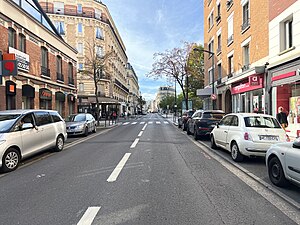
(184, 118)
(283, 165)
(247, 134)
(26, 132)
(81, 124)
(203, 121)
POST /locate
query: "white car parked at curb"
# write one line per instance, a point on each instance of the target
(283, 163)
(247, 134)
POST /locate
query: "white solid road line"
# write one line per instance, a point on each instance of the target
(114, 175)
(140, 134)
(144, 127)
(89, 216)
(134, 143)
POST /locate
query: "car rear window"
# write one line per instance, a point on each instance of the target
(261, 121)
(210, 115)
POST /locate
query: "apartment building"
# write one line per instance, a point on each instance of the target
(236, 32)
(284, 61)
(134, 93)
(46, 63)
(82, 22)
(163, 92)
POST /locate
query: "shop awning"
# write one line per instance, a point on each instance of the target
(104, 100)
(204, 92)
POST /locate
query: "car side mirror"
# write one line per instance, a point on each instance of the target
(26, 126)
(217, 125)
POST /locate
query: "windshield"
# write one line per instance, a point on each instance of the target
(213, 115)
(261, 121)
(76, 118)
(7, 120)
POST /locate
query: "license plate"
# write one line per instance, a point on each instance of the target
(268, 138)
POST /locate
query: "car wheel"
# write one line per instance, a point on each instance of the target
(276, 173)
(60, 142)
(212, 142)
(95, 129)
(235, 153)
(196, 136)
(10, 160)
(86, 131)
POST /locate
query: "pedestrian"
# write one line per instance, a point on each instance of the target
(282, 118)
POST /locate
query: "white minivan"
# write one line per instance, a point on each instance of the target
(26, 132)
(247, 134)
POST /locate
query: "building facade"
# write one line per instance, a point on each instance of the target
(163, 92)
(284, 62)
(46, 76)
(236, 32)
(82, 22)
(134, 94)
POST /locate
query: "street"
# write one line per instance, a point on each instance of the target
(141, 171)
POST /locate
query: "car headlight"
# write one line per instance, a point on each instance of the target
(2, 141)
(80, 126)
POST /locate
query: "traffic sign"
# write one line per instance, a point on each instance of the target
(213, 96)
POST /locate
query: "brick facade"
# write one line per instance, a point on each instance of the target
(277, 7)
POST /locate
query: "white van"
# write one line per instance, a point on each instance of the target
(26, 132)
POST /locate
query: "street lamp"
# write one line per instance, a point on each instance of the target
(213, 74)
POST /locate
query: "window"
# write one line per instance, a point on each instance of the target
(80, 48)
(246, 57)
(286, 34)
(211, 47)
(44, 57)
(235, 121)
(55, 117)
(11, 37)
(97, 13)
(226, 121)
(210, 76)
(230, 65)
(79, 8)
(81, 87)
(59, 68)
(22, 43)
(70, 70)
(60, 27)
(246, 19)
(230, 29)
(219, 71)
(79, 27)
(219, 43)
(211, 20)
(42, 118)
(59, 8)
(99, 33)
(218, 17)
(99, 51)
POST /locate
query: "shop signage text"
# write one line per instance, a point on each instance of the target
(254, 80)
(247, 86)
(45, 94)
(22, 59)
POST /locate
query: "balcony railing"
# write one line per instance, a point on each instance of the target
(71, 80)
(229, 3)
(245, 67)
(245, 24)
(45, 71)
(218, 18)
(219, 50)
(59, 76)
(230, 40)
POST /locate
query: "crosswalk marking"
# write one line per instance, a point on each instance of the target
(125, 123)
(166, 122)
(150, 122)
(157, 122)
(142, 122)
(89, 216)
(134, 123)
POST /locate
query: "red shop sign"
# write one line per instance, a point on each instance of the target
(248, 86)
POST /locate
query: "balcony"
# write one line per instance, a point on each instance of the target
(45, 71)
(245, 25)
(219, 50)
(219, 81)
(71, 80)
(59, 77)
(230, 75)
(245, 67)
(230, 40)
(218, 18)
(229, 3)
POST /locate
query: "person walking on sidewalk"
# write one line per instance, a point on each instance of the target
(282, 118)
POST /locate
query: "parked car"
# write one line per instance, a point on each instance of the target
(81, 124)
(184, 118)
(247, 134)
(283, 165)
(203, 121)
(26, 132)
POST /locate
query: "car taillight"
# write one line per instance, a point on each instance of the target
(288, 138)
(247, 136)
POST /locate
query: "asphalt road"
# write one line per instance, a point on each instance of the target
(143, 171)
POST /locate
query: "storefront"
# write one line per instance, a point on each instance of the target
(45, 98)
(28, 94)
(10, 95)
(285, 92)
(248, 95)
(60, 103)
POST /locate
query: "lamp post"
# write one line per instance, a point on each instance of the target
(213, 74)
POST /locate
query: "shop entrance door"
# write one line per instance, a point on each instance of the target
(243, 103)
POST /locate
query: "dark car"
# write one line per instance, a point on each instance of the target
(184, 118)
(203, 121)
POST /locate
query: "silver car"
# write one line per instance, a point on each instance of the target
(26, 132)
(81, 124)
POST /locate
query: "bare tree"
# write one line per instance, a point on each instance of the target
(173, 65)
(97, 66)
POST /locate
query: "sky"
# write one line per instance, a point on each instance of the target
(150, 26)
